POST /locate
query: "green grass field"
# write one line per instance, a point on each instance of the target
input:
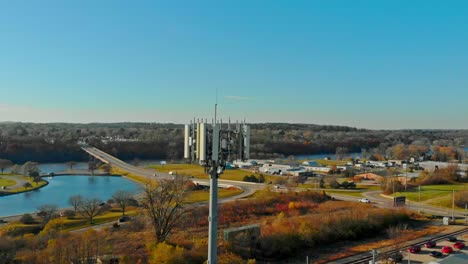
(331, 162)
(429, 192)
(4, 181)
(203, 195)
(198, 172)
(12, 179)
(360, 189)
(439, 195)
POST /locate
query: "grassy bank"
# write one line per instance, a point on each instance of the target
(198, 172)
(9, 180)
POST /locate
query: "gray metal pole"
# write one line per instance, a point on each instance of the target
(213, 218)
(419, 199)
(453, 204)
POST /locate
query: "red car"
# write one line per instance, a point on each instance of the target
(430, 244)
(414, 249)
(459, 245)
(447, 250)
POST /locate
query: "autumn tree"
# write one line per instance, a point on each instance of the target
(4, 164)
(90, 208)
(417, 150)
(461, 198)
(163, 203)
(441, 153)
(400, 152)
(123, 198)
(7, 250)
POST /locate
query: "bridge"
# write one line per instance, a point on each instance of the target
(247, 187)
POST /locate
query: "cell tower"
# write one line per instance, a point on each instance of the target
(212, 146)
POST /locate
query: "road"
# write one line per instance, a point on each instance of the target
(247, 187)
(378, 200)
(250, 188)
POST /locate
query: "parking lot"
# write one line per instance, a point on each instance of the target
(424, 257)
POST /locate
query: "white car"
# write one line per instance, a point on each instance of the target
(364, 200)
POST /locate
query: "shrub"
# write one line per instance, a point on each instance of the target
(69, 213)
(27, 219)
(164, 253)
(461, 198)
(334, 184)
(250, 178)
(348, 185)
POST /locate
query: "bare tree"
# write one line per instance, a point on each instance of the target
(31, 169)
(4, 163)
(75, 201)
(15, 169)
(47, 212)
(123, 198)
(90, 208)
(70, 164)
(397, 236)
(162, 202)
(92, 166)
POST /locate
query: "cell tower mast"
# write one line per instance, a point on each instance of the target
(213, 147)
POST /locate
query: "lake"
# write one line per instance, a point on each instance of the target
(61, 188)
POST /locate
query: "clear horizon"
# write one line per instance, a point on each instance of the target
(365, 64)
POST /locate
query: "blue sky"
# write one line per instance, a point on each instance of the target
(371, 64)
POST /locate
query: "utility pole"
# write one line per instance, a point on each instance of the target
(419, 199)
(453, 204)
(374, 253)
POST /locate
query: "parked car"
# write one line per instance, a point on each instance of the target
(430, 244)
(414, 249)
(447, 249)
(459, 245)
(451, 239)
(397, 257)
(435, 254)
(124, 218)
(364, 200)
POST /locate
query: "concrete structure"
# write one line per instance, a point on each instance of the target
(317, 169)
(431, 165)
(453, 259)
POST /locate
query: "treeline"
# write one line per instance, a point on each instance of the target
(57, 142)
